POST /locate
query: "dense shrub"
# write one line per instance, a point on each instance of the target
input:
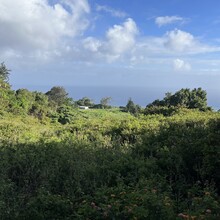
(114, 166)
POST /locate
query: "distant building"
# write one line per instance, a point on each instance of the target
(84, 107)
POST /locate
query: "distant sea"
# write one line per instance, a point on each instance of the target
(120, 95)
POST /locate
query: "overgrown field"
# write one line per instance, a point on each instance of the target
(106, 164)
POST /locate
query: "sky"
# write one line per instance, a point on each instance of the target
(170, 44)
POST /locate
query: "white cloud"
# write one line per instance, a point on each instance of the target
(181, 65)
(92, 44)
(55, 33)
(35, 26)
(165, 20)
(113, 12)
(180, 41)
(123, 44)
(121, 38)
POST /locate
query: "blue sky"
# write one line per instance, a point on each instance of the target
(154, 44)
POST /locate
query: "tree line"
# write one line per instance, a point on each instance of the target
(56, 100)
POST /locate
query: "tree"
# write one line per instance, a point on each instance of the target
(105, 102)
(198, 99)
(85, 101)
(181, 98)
(58, 95)
(6, 94)
(4, 72)
(40, 106)
(132, 108)
(186, 98)
(24, 99)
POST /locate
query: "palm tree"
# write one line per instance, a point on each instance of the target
(4, 72)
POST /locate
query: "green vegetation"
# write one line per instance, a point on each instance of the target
(132, 108)
(195, 99)
(85, 101)
(104, 102)
(60, 162)
(4, 72)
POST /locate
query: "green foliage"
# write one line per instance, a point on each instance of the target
(6, 96)
(106, 164)
(40, 106)
(164, 110)
(184, 98)
(65, 114)
(24, 99)
(85, 101)
(132, 108)
(59, 162)
(126, 202)
(4, 73)
(58, 95)
(105, 102)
